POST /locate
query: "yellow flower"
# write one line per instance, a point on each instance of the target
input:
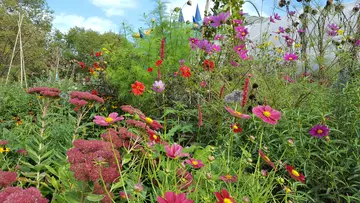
(297, 45)
(340, 32)
(279, 50)
(276, 37)
(106, 51)
(2, 150)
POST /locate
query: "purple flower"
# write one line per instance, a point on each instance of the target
(357, 43)
(290, 57)
(193, 43)
(289, 40)
(208, 20)
(182, 61)
(291, 13)
(280, 30)
(319, 131)
(158, 86)
(242, 13)
(272, 19)
(204, 45)
(301, 31)
(138, 187)
(233, 63)
(238, 22)
(333, 26)
(220, 19)
(277, 17)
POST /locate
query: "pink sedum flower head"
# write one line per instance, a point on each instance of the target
(236, 113)
(267, 114)
(175, 151)
(290, 57)
(111, 119)
(158, 86)
(195, 163)
(319, 131)
(172, 197)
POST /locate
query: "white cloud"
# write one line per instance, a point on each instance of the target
(114, 7)
(64, 22)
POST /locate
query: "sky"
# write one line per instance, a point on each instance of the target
(108, 15)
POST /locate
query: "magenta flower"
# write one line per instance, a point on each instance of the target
(220, 19)
(175, 151)
(195, 163)
(238, 22)
(357, 43)
(319, 131)
(301, 31)
(267, 114)
(7, 178)
(236, 113)
(229, 178)
(17, 195)
(280, 30)
(106, 121)
(242, 32)
(158, 86)
(272, 19)
(208, 20)
(138, 187)
(216, 48)
(124, 195)
(219, 37)
(203, 84)
(291, 13)
(3, 142)
(277, 17)
(242, 13)
(290, 57)
(172, 197)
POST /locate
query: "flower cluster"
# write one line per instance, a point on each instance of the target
(45, 91)
(19, 195)
(204, 45)
(80, 99)
(93, 159)
(7, 178)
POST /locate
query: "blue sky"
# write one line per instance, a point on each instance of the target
(108, 15)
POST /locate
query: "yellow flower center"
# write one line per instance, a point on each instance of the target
(295, 173)
(243, 33)
(237, 113)
(235, 127)
(183, 179)
(195, 162)
(290, 58)
(228, 176)
(267, 114)
(148, 120)
(227, 200)
(108, 120)
(319, 131)
(267, 158)
(155, 137)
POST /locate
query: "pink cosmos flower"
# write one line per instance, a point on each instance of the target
(277, 17)
(357, 43)
(319, 131)
(267, 114)
(219, 37)
(172, 197)
(290, 57)
(272, 19)
(236, 113)
(175, 151)
(195, 163)
(112, 118)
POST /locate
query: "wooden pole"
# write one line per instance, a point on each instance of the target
(13, 53)
(21, 54)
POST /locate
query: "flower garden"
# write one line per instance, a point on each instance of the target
(194, 112)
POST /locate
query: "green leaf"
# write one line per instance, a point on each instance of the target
(126, 158)
(95, 198)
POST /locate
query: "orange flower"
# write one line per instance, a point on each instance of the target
(295, 174)
(185, 72)
(158, 63)
(138, 88)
